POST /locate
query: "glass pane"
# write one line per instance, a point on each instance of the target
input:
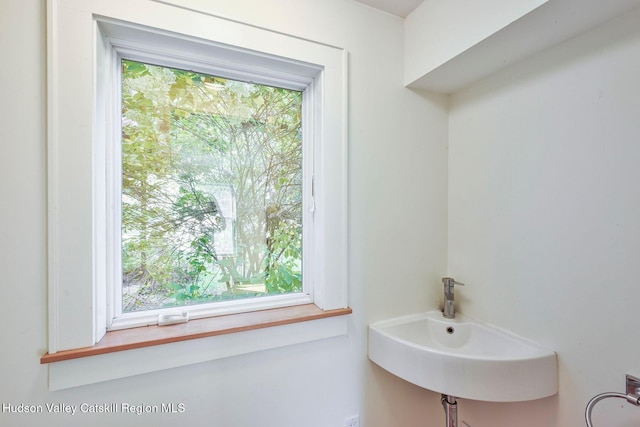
(211, 188)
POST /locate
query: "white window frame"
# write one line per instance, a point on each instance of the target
(80, 41)
(132, 44)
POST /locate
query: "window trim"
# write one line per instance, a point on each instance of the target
(133, 338)
(76, 283)
(129, 352)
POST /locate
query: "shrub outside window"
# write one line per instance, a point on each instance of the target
(211, 188)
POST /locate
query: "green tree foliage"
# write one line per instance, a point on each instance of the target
(211, 188)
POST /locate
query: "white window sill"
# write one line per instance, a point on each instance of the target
(142, 350)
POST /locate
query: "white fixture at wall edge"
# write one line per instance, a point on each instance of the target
(463, 357)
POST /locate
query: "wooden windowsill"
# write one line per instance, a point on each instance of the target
(128, 339)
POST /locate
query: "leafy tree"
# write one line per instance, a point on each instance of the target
(187, 137)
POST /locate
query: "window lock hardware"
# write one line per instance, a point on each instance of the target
(173, 318)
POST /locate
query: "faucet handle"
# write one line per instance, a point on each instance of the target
(450, 281)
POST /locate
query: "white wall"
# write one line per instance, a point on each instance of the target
(397, 184)
(544, 218)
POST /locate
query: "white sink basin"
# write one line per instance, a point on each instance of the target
(463, 357)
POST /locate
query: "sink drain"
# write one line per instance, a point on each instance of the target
(450, 330)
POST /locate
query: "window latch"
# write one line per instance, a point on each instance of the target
(312, 208)
(173, 318)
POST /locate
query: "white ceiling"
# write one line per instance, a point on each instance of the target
(396, 7)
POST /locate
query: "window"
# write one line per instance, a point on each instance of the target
(88, 47)
(211, 192)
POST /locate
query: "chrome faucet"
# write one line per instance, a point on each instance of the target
(449, 311)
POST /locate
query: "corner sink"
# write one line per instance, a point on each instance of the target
(463, 357)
